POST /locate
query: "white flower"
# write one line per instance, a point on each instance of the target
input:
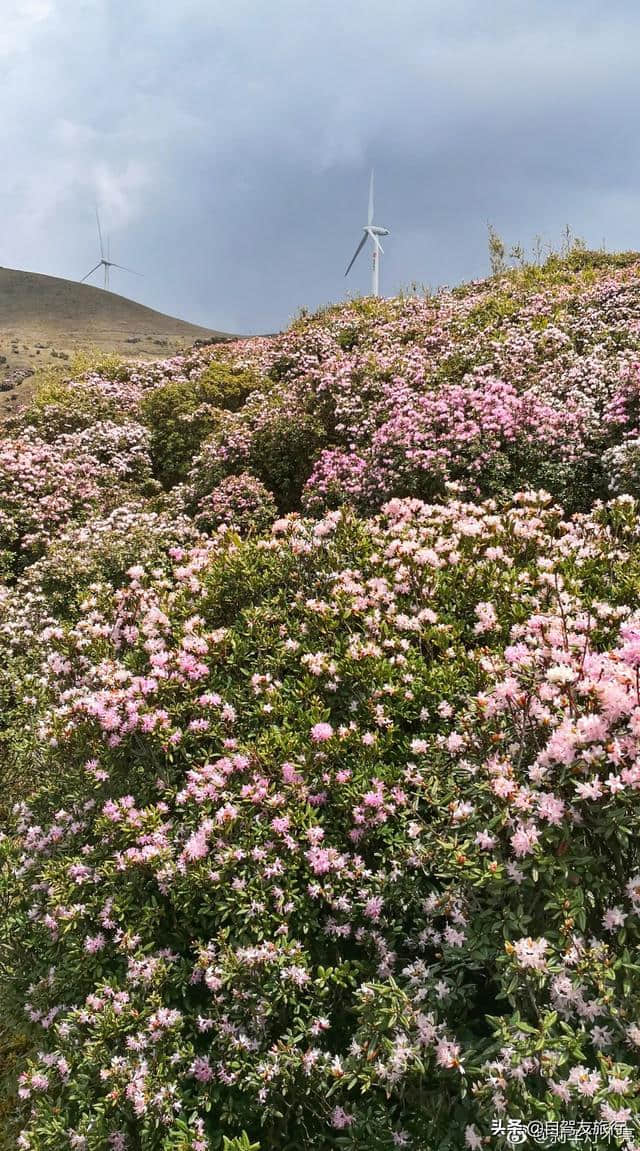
(561, 674)
(531, 953)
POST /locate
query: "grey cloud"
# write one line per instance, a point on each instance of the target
(229, 143)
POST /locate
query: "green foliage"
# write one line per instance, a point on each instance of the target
(60, 405)
(15, 1049)
(282, 451)
(497, 252)
(347, 338)
(182, 413)
(240, 1143)
(273, 437)
(496, 309)
(453, 368)
(227, 387)
(581, 258)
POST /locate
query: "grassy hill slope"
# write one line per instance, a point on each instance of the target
(44, 319)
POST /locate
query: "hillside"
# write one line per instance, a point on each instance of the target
(320, 732)
(44, 320)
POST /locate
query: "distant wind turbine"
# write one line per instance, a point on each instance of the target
(373, 232)
(105, 262)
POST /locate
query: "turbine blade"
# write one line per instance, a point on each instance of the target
(123, 269)
(91, 272)
(370, 216)
(99, 233)
(357, 253)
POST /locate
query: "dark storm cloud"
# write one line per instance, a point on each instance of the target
(228, 144)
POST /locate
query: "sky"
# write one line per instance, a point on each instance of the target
(228, 143)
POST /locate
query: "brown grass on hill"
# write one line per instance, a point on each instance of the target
(45, 320)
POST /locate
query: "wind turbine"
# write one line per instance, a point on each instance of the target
(373, 232)
(105, 262)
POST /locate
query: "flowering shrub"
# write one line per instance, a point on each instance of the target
(273, 437)
(622, 463)
(492, 388)
(284, 841)
(44, 485)
(338, 478)
(241, 502)
(41, 487)
(122, 447)
(322, 831)
(182, 413)
(53, 590)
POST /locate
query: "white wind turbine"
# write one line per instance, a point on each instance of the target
(373, 232)
(105, 262)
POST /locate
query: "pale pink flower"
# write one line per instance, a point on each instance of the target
(419, 746)
(373, 907)
(591, 789)
(551, 808)
(613, 917)
(611, 1115)
(201, 1069)
(485, 841)
(340, 1118)
(447, 1053)
(620, 1084)
(524, 839)
(453, 937)
(321, 732)
(94, 943)
(530, 953)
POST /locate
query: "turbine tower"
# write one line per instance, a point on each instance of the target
(372, 231)
(105, 262)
